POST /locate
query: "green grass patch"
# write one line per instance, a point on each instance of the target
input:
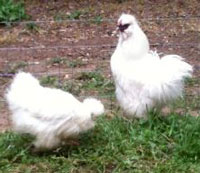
(74, 15)
(11, 11)
(97, 82)
(33, 27)
(92, 82)
(49, 81)
(80, 14)
(64, 61)
(159, 144)
(15, 67)
(187, 103)
(97, 20)
(92, 79)
(190, 82)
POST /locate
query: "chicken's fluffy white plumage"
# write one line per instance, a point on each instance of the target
(143, 79)
(50, 114)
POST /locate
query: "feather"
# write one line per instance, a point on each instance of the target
(50, 114)
(143, 79)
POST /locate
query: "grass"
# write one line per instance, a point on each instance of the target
(191, 82)
(49, 81)
(64, 61)
(92, 79)
(15, 67)
(159, 144)
(79, 14)
(7, 38)
(74, 15)
(97, 20)
(191, 98)
(11, 11)
(33, 27)
(92, 82)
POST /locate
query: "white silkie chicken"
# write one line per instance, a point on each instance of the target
(143, 79)
(49, 114)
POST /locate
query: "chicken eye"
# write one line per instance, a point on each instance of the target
(122, 28)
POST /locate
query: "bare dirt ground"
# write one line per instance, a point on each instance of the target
(88, 45)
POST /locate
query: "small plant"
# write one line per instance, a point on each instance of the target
(65, 85)
(92, 79)
(192, 81)
(13, 68)
(75, 63)
(57, 60)
(96, 82)
(60, 16)
(108, 87)
(66, 61)
(49, 81)
(11, 11)
(97, 20)
(32, 27)
(75, 15)
(71, 87)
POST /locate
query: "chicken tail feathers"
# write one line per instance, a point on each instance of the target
(94, 106)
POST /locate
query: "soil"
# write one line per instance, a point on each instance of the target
(172, 27)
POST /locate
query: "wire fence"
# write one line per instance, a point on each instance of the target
(159, 18)
(85, 71)
(187, 45)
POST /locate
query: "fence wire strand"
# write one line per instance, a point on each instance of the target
(196, 17)
(111, 46)
(108, 47)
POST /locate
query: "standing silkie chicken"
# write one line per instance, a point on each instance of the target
(143, 79)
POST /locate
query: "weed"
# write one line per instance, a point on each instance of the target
(66, 62)
(97, 20)
(49, 81)
(92, 82)
(32, 27)
(187, 103)
(71, 87)
(96, 81)
(14, 68)
(75, 63)
(57, 60)
(75, 15)
(92, 79)
(72, 16)
(53, 81)
(192, 81)
(59, 16)
(11, 11)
